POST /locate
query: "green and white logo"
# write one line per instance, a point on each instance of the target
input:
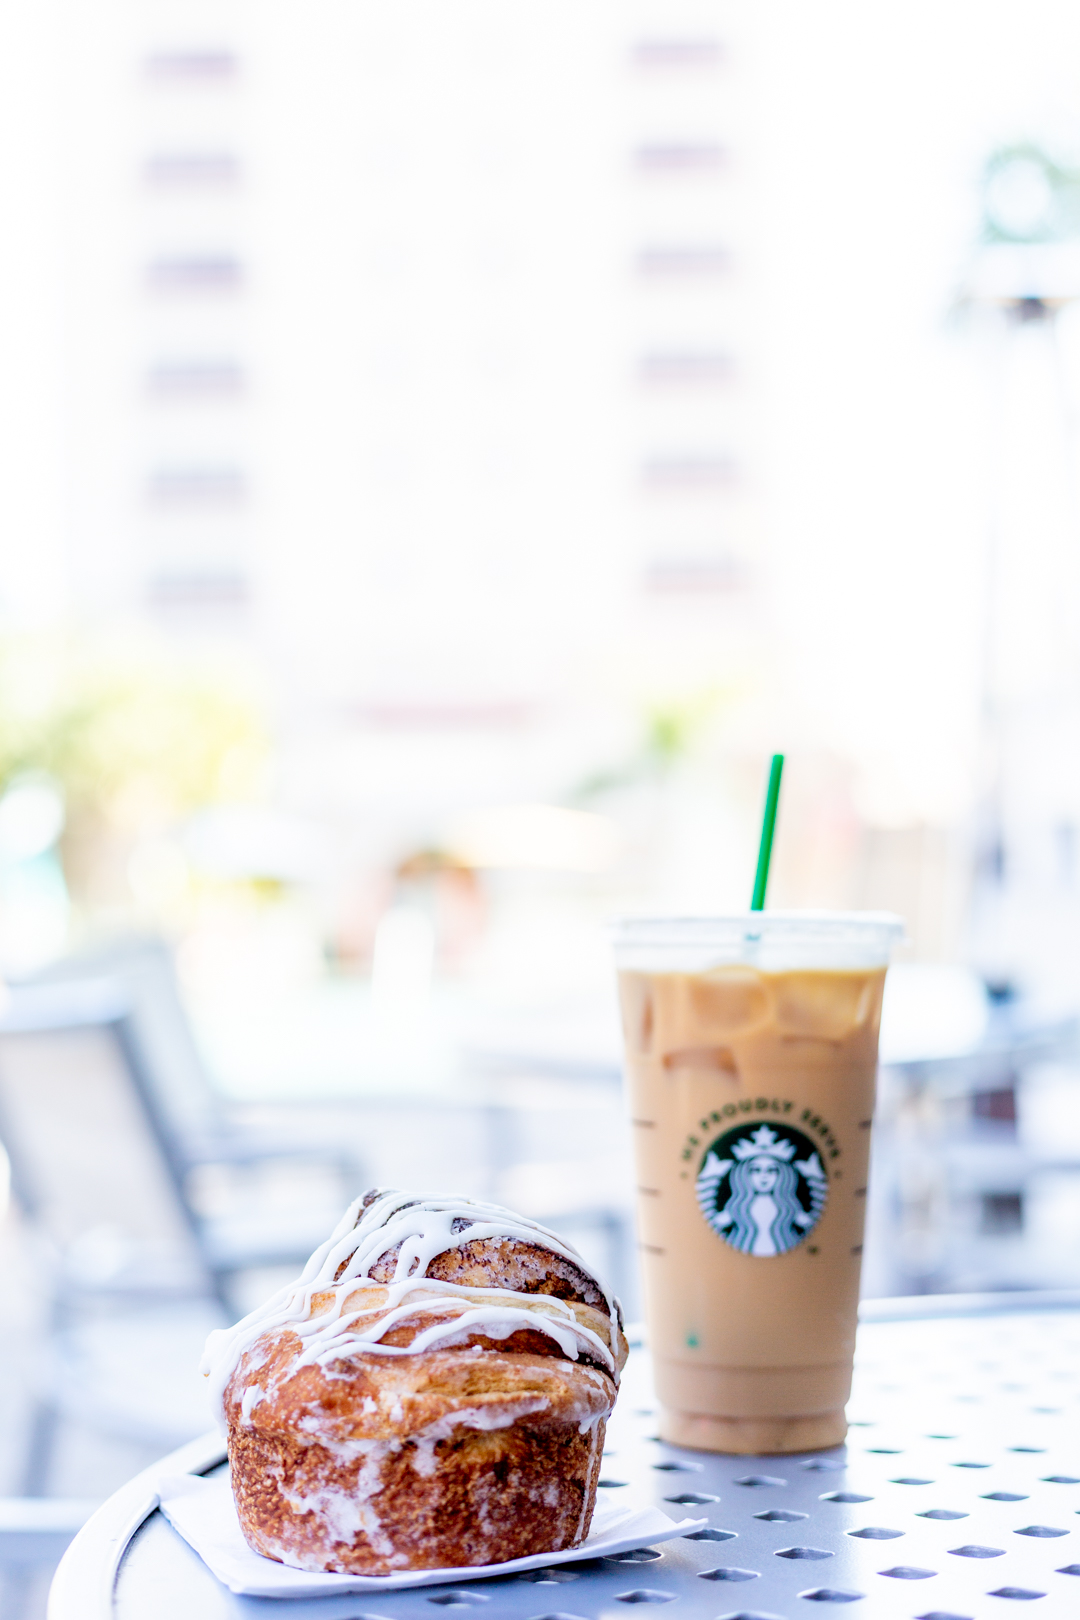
(762, 1190)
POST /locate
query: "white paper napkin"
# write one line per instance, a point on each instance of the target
(202, 1510)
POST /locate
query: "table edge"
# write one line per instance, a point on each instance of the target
(924, 1307)
(85, 1579)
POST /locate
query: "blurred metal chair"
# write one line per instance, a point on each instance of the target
(136, 973)
(34, 1534)
(152, 1073)
(951, 1175)
(559, 1151)
(132, 1273)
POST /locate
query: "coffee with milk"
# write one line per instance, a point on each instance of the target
(751, 1054)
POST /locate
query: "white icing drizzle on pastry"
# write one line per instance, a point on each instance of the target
(423, 1225)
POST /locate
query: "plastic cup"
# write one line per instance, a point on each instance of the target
(751, 1055)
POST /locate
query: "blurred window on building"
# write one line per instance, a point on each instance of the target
(195, 381)
(191, 171)
(674, 55)
(192, 69)
(196, 486)
(195, 275)
(689, 259)
(680, 159)
(464, 318)
(686, 369)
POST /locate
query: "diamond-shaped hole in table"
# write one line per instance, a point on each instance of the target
(908, 1572)
(780, 1516)
(831, 1594)
(459, 1600)
(557, 1615)
(876, 1532)
(644, 1594)
(942, 1513)
(973, 1549)
(751, 1614)
(803, 1552)
(729, 1573)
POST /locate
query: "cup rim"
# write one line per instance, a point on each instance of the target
(762, 938)
(697, 927)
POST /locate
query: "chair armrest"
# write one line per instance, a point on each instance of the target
(243, 1147)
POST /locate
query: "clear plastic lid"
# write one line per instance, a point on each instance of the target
(773, 940)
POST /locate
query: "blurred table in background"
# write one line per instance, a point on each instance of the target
(975, 1179)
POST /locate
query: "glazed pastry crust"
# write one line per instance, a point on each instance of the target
(505, 1263)
(421, 1399)
(442, 1460)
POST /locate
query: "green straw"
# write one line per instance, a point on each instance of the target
(772, 799)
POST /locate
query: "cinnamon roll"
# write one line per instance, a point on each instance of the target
(431, 1393)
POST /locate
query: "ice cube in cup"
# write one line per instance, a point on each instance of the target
(823, 1006)
(692, 1011)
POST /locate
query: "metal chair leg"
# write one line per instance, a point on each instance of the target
(40, 1449)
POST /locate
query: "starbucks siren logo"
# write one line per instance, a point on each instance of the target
(756, 1194)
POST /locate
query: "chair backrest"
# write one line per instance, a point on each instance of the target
(140, 971)
(87, 1163)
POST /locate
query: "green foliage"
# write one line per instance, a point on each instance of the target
(670, 733)
(106, 724)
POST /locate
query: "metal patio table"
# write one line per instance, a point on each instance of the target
(957, 1495)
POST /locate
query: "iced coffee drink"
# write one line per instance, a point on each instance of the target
(751, 1052)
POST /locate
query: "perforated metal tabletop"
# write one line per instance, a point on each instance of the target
(957, 1495)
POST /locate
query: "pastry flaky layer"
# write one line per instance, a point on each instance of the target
(432, 1393)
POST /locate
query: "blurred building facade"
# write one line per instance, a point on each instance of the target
(440, 361)
(522, 396)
